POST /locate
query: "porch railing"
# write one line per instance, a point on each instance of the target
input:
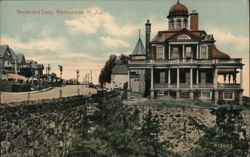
(222, 85)
(187, 61)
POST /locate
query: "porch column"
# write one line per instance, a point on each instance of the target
(169, 48)
(191, 96)
(241, 79)
(191, 78)
(197, 76)
(197, 51)
(215, 86)
(169, 81)
(169, 77)
(178, 79)
(178, 83)
(183, 51)
(129, 84)
(152, 84)
(215, 78)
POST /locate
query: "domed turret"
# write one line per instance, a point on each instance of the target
(178, 16)
(178, 10)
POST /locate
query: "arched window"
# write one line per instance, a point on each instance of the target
(171, 24)
(185, 23)
(178, 23)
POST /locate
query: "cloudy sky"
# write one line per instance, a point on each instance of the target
(84, 40)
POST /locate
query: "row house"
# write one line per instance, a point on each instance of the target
(183, 62)
(12, 64)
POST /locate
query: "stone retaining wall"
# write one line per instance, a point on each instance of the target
(177, 127)
(41, 128)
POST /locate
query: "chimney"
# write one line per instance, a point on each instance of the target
(148, 32)
(194, 21)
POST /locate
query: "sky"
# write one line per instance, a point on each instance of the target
(86, 38)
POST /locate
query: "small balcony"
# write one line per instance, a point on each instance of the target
(228, 86)
(182, 86)
(185, 62)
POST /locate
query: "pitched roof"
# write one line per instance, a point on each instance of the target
(13, 54)
(217, 54)
(33, 64)
(3, 50)
(20, 57)
(139, 48)
(161, 36)
(227, 71)
(120, 69)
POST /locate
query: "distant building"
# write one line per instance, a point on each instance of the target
(184, 63)
(119, 77)
(21, 61)
(36, 69)
(6, 60)
(10, 64)
(137, 76)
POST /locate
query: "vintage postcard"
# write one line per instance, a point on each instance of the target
(117, 78)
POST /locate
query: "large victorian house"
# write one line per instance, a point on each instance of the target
(183, 62)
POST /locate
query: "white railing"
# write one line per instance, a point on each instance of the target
(231, 61)
(173, 85)
(222, 85)
(184, 85)
(160, 85)
(187, 61)
(206, 85)
(141, 61)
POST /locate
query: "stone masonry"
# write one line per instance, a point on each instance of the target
(41, 128)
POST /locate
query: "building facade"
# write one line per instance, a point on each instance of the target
(183, 62)
(119, 77)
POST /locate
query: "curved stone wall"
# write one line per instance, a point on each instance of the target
(41, 128)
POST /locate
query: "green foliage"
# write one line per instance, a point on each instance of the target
(150, 135)
(119, 132)
(27, 72)
(226, 138)
(8, 86)
(105, 75)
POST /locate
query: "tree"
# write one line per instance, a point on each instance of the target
(150, 134)
(119, 132)
(27, 72)
(123, 59)
(105, 75)
(226, 138)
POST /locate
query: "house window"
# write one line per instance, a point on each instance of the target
(203, 52)
(162, 77)
(206, 95)
(188, 52)
(175, 52)
(159, 52)
(203, 77)
(187, 78)
(185, 23)
(178, 24)
(171, 24)
(228, 96)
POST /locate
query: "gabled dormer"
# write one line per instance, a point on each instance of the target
(183, 35)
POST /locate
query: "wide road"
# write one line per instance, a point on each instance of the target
(71, 90)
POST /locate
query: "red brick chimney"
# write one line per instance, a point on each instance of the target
(194, 21)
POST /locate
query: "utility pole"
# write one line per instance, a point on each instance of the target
(77, 76)
(61, 70)
(91, 76)
(16, 68)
